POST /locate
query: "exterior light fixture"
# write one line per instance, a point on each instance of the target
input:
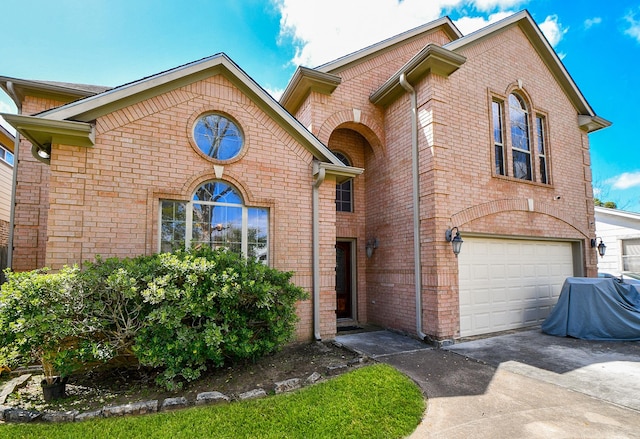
(456, 241)
(44, 151)
(602, 248)
(372, 244)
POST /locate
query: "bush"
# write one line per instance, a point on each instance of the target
(177, 312)
(44, 318)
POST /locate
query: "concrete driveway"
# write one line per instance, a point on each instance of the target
(525, 384)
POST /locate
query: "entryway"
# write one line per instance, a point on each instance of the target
(345, 297)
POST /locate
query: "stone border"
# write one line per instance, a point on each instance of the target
(15, 414)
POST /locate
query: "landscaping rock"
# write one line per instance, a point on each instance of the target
(288, 385)
(68, 416)
(136, 408)
(20, 415)
(2, 409)
(211, 398)
(88, 415)
(313, 378)
(11, 385)
(174, 403)
(251, 394)
(334, 369)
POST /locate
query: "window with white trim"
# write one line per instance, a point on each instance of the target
(519, 151)
(344, 190)
(631, 255)
(6, 155)
(216, 217)
(542, 155)
(519, 125)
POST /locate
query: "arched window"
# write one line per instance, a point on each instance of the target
(519, 124)
(344, 190)
(217, 217)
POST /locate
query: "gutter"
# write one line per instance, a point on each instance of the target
(416, 202)
(320, 175)
(16, 157)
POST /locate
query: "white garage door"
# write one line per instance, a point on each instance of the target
(509, 283)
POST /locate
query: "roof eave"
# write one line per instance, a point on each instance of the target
(340, 171)
(432, 59)
(592, 123)
(303, 82)
(42, 133)
(445, 23)
(17, 89)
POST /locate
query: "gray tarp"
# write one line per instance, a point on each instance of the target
(595, 309)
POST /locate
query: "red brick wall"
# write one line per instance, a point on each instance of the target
(457, 186)
(32, 199)
(104, 200)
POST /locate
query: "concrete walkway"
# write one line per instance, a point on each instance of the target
(521, 385)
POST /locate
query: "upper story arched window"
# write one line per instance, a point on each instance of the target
(216, 217)
(520, 149)
(344, 190)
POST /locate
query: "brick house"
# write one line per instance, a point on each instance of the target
(357, 179)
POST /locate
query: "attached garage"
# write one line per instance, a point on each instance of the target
(510, 283)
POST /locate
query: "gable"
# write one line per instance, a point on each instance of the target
(73, 123)
(587, 118)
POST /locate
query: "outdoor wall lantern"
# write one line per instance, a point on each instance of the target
(601, 247)
(372, 244)
(456, 241)
(44, 151)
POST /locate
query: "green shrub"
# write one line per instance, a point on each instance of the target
(44, 318)
(177, 312)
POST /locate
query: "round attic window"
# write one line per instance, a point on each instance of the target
(218, 137)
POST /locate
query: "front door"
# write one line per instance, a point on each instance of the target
(344, 298)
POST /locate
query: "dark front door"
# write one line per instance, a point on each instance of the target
(343, 280)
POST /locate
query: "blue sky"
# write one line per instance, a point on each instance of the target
(111, 42)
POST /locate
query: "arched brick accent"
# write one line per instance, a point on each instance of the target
(514, 204)
(360, 121)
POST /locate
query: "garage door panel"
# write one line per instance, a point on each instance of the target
(506, 284)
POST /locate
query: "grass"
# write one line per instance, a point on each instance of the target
(371, 402)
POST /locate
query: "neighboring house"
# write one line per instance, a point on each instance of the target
(351, 181)
(7, 141)
(620, 232)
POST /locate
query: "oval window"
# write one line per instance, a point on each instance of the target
(218, 137)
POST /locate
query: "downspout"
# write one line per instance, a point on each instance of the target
(416, 203)
(16, 156)
(321, 173)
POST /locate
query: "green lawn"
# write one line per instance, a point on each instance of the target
(371, 402)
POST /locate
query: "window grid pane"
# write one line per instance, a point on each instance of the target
(173, 226)
(541, 149)
(518, 118)
(497, 138)
(227, 224)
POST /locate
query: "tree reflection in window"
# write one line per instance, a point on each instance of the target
(218, 137)
(518, 118)
(216, 217)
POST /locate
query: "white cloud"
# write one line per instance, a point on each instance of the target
(590, 22)
(625, 180)
(275, 92)
(472, 24)
(323, 30)
(491, 5)
(634, 26)
(553, 29)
